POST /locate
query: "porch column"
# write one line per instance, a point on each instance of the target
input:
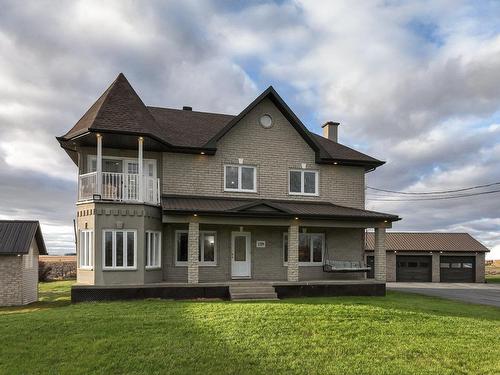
(380, 256)
(99, 164)
(141, 182)
(193, 244)
(293, 252)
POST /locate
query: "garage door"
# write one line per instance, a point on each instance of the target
(413, 268)
(458, 269)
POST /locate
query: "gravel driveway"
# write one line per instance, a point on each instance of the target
(485, 294)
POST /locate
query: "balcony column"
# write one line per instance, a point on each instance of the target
(193, 250)
(380, 255)
(140, 166)
(99, 165)
(293, 252)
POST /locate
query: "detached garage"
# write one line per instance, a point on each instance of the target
(431, 257)
(20, 244)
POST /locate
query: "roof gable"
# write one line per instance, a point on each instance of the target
(260, 206)
(271, 94)
(16, 237)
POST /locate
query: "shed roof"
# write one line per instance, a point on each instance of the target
(176, 204)
(16, 237)
(415, 241)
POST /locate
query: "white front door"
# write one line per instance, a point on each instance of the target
(240, 255)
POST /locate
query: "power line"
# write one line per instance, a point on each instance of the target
(435, 198)
(433, 192)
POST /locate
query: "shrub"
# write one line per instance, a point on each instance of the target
(43, 271)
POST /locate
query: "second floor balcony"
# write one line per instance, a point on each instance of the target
(124, 187)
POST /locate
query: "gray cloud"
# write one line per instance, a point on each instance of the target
(415, 84)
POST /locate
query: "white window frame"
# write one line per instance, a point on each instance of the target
(153, 253)
(85, 245)
(178, 262)
(311, 263)
(113, 254)
(239, 189)
(302, 182)
(201, 248)
(91, 158)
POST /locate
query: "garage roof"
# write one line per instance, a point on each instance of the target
(16, 237)
(416, 241)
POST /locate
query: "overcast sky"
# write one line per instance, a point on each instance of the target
(414, 83)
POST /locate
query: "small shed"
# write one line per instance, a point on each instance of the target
(21, 242)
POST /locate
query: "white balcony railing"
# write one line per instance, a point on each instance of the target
(119, 187)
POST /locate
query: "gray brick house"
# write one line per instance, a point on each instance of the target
(20, 244)
(183, 200)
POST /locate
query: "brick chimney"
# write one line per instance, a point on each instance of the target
(331, 131)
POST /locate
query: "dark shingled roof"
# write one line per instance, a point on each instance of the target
(266, 208)
(16, 237)
(414, 241)
(121, 110)
(188, 128)
(118, 109)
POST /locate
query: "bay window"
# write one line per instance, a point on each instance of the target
(86, 253)
(303, 182)
(241, 178)
(153, 249)
(119, 249)
(311, 248)
(207, 248)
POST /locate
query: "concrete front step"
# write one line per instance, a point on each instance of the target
(249, 289)
(253, 296)
(254, 291)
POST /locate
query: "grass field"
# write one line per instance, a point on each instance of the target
(493, 278)
(397, 334)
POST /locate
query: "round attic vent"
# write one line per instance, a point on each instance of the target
(266, 121)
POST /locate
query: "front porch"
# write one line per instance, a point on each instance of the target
(222, 290)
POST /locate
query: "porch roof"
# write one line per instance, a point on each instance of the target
(249, 207)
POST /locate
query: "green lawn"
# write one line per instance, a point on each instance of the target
(493, 278)
(397, 334)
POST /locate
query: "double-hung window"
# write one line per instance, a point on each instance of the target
(242, 178)
(120, 249)
(303, 182)
(153, 249)
(86, 253)
(311, 248)
(207, 248)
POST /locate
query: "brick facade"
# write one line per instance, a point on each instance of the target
(273, 152)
